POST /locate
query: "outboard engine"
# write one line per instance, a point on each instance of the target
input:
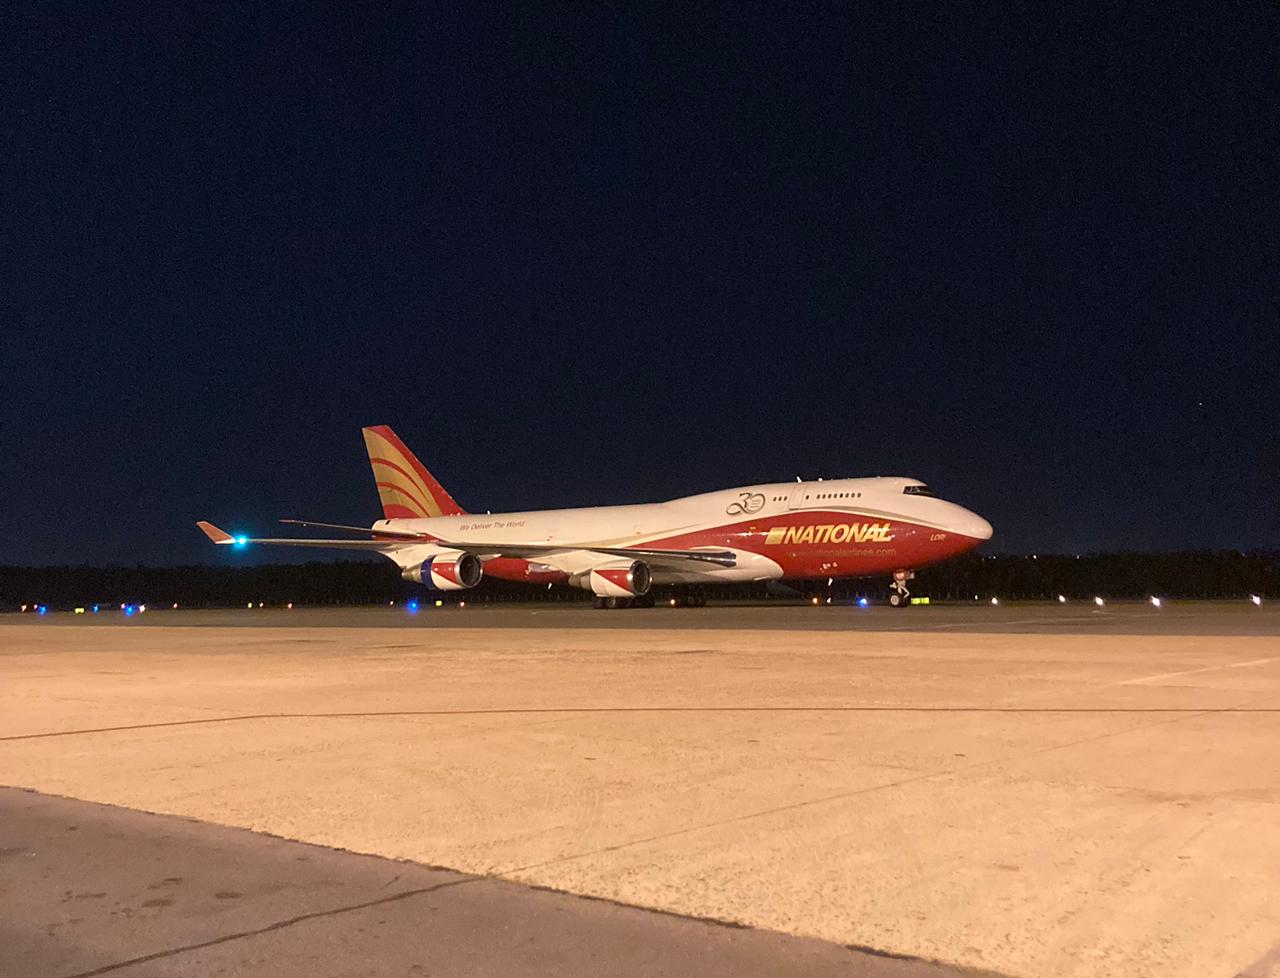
(450, 570)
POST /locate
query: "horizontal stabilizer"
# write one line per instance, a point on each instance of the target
(379, 534)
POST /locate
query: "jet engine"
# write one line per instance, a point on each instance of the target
(620, 579)
(450, 570)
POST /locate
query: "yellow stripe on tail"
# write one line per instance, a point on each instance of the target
(406, 488)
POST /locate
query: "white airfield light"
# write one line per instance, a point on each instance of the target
(995, 600)
(1155, 601)
(1062, 599)
(1256, 599)
(1098, 601)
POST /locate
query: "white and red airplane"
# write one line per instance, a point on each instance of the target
(780, 531)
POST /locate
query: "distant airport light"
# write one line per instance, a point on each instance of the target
(130, 611)
(462, 604)
(995, 600)
(24, 609)
(862, 602)
(391, 604)
(259, 604)
(42, 609)
(175, 606)
(439, 603)
(95, 609)
(142, 609)
(815, 601)
(289, 606)
(1098, 601)
(1256, 599)
(249, 605)
(1155, 601)
(410, 606)
(673, 602)
(79, 611)
(1062, 599)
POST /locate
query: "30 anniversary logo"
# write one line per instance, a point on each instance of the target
(746, 504)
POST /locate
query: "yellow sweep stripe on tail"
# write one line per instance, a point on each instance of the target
(398, 483)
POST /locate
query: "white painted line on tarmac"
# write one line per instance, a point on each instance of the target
(1190, 672)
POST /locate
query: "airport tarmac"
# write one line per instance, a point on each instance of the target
(1081, 617)
(1035, 794)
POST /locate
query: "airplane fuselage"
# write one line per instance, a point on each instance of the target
(830, 528)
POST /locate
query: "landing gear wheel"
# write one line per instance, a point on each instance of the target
(597, 602)
(899, 596)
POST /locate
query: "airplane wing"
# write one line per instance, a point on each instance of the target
(223, 538)
(724, 558)
(390, 538)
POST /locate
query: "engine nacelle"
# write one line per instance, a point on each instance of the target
(450, 570)
(621, 579)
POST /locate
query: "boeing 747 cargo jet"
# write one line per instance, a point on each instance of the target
(782, 531)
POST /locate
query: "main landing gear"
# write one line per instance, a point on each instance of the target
(899, 596)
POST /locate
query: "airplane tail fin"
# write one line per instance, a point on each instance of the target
(407, 489)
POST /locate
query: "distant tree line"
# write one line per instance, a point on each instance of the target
(1196, 574)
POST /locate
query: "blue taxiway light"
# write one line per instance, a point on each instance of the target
(42, 609)
(862, 602)
(411, 606)
(129, 610)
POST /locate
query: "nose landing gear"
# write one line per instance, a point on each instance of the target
(899, 596)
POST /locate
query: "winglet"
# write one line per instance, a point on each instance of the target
(214, 534)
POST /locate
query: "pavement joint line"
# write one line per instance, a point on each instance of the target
(534, 711)
(869, 789)
(278, 925)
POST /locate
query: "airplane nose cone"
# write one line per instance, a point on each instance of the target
(975, 526)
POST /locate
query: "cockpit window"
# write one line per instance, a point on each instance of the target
(917, 491)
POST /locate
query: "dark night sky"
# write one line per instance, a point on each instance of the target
(1029, 254)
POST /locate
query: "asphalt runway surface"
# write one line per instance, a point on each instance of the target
(1028, 790)
(95, 890)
